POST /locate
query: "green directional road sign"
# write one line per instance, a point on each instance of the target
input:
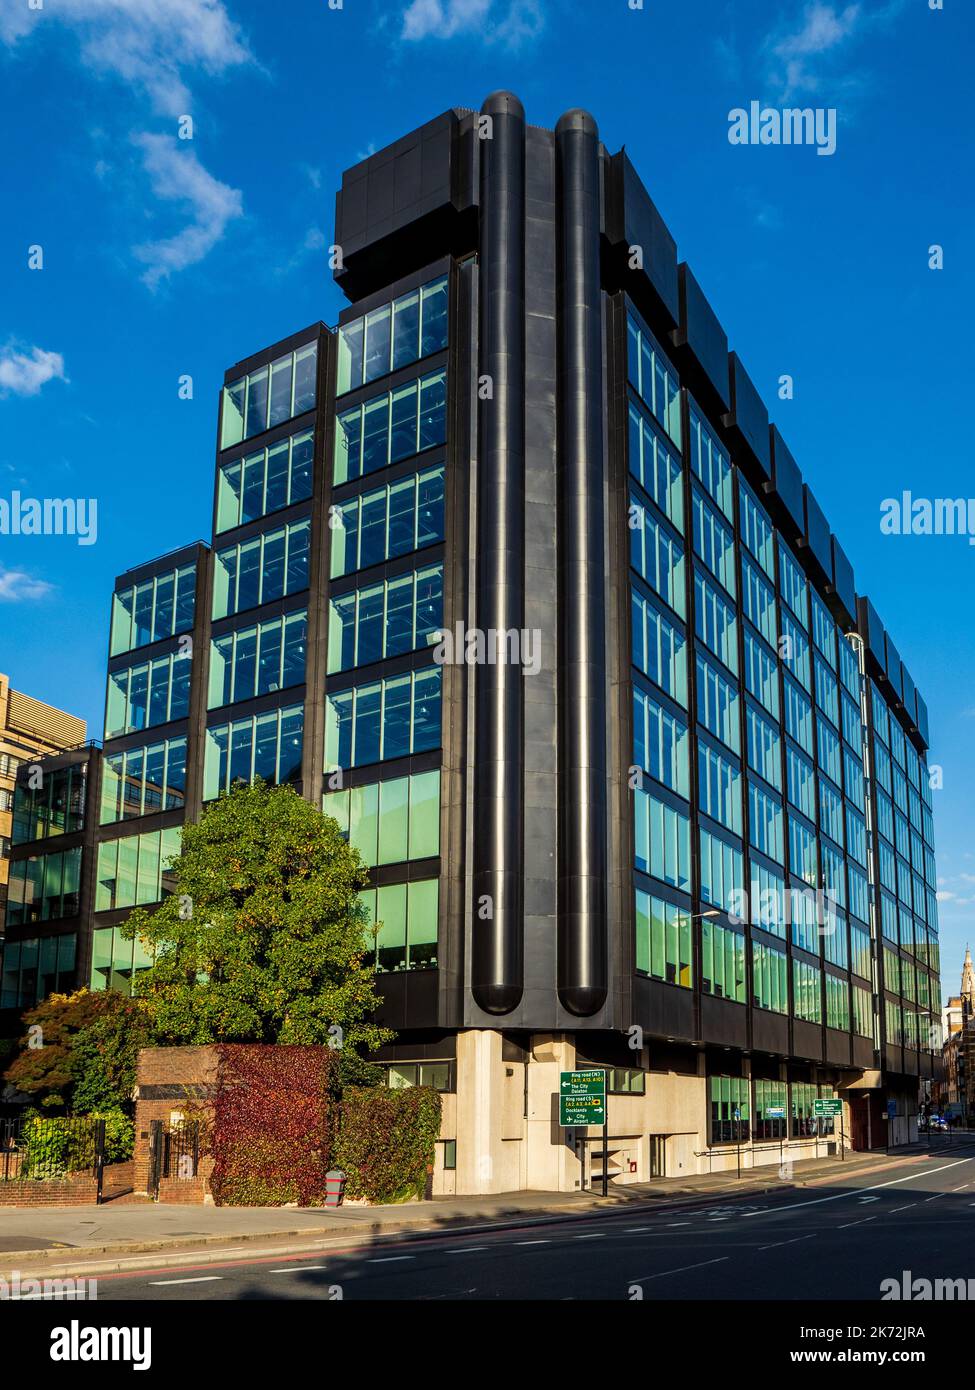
(826, 1109)
(582, 1098)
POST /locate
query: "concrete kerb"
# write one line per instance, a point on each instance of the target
(57, 1262)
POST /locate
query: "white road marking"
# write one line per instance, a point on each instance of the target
(837, 1196)
(908, 1207)
(596, 1235)
(538, 1242)
(391, 1259)
(777, 1243)
(200, 1279)
(846, 1226)
(464, 1249)
(643, 1278)
(295, 1269)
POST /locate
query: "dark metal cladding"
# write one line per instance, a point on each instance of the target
(582, 945)
(497, 964)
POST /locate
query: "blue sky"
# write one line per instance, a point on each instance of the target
(164, 257)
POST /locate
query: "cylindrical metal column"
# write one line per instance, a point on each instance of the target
(582, 943)
(497, 965)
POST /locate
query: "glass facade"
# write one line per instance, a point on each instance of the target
(44, 887)
(663, 840)
(410, 327)
(37, 967)
(775, 687)
(55, 806)
(402, 928)
(143, 780)
(652, 377)
(133, 871)
(730, 1117)
(268, 746)
(390, 822)
(258, 660)
(154, 609)
(903, 844)
(153, 692)
(269, 566)
(383, 719)
(663, 941)
(391, 427)
(269, 396)
(266, 481)
(115, 961)
(733, 1120)
(388, 521)
(722, 961)
(385, 619)
(770, 978)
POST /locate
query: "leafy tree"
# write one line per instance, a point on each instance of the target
(106, 1056)
(79, 1051)
(264, 936)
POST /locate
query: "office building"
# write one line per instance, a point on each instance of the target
(511, 573)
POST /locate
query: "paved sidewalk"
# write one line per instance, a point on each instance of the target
(47, 1232)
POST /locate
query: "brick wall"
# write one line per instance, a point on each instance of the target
(78, 1189)
(186, 1191)
(169, 1081)
(73, 1190)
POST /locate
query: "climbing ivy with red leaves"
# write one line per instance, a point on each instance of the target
(274, 1117)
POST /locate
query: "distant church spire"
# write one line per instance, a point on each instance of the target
(968, 980)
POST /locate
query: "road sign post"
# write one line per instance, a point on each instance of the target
(828, 1109)
(776, 1112)
(582, 1101)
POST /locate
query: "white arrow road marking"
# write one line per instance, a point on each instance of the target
(895, 1182)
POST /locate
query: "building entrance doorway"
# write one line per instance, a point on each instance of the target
(658, 1155)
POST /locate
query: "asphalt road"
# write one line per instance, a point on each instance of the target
(836, 1241)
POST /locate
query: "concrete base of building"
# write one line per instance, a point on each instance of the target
(501, 1127)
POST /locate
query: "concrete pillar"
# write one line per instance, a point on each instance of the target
(480, 1166)
(553, 1162)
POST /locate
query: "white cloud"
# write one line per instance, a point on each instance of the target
(314, 240)
(521, 20)
(147, 43)
(18, 587)
(25, 375)
(178, 176)
(800, 58)
(823, 29)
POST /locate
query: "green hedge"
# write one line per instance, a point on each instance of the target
(386, 1140)
(53, 1147)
